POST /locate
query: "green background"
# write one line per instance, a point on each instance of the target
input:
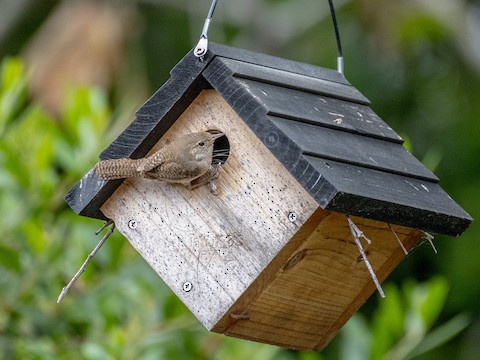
(418, 61)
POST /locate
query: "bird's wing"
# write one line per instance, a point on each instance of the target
(153, 161)
(177, 172)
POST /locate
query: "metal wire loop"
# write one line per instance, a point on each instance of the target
(202, 45)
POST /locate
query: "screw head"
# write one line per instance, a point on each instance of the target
(187, 286)
(132, 224)
(292, 216)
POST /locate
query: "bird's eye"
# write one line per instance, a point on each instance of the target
(201, 143)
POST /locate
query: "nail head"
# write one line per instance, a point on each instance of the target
(132, 224)
(292, 216)
(187, 286)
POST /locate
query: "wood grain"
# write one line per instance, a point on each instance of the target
(285, 78)
(218, 243)
(387, 156)
(322, 286)
(312, 120)
(254, 273)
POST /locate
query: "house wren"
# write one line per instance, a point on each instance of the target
(185, 159)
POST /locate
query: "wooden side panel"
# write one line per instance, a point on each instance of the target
(322, 284)
(209, 249)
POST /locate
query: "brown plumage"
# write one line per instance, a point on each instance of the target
(185, 159)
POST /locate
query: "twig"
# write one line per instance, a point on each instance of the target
(357, 234)
(105, 224)
(398, 239)
(429, 238)
(89, 257)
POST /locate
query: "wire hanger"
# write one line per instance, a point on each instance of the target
(337, 36)
(202, 45)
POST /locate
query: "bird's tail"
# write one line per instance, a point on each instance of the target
(117, 168)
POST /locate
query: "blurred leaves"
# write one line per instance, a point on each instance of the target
(415, 60)
(403, 324)
(12, 90)
(43, 241)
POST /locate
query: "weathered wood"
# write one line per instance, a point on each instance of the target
(321, 110)
(159, 112)
(306, 301)
(283, 78)
(278, 63)
(354, 149)
(253, 273)
(89, 194)
(271, 258)
(217, 243)
(358, 190)
(151, 122)
(389, 197)
(301, 105)
(313, 126)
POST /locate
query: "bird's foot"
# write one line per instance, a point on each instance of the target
(208, 178)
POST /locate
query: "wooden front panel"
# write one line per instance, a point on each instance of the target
(321, 286)
(218, 244)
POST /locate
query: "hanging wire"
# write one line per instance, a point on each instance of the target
(202, 46)
(337, 36)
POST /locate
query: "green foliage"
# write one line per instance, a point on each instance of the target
(39, 159)
(120, 309)
(403, 324)
(12, 90)
(408, 59)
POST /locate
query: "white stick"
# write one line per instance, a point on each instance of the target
(429, 238)
(357, 234)
(89, 257)
(398, 239)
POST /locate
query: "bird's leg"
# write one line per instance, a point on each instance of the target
(208, 178)
(212, 184)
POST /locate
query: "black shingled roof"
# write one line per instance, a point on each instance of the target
(319, 127)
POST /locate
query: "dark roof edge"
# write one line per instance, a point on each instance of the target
(160, 111)
(152, 120)
(294, 81)
(325, 192)
(278, 63)
(412, 217)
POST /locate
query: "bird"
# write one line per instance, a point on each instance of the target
(183, 160)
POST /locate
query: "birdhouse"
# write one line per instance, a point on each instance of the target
(271, 257)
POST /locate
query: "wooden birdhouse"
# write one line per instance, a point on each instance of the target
(271, 257)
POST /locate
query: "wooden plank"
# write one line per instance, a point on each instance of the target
(362, 151)
(319, 110)
(311, 173)
(268, 274)
(277, 63)
(297, 105)
(392, 198)
(308, 301)
(89, 194)
(397, 255)
(217, 243)
(291, 80)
